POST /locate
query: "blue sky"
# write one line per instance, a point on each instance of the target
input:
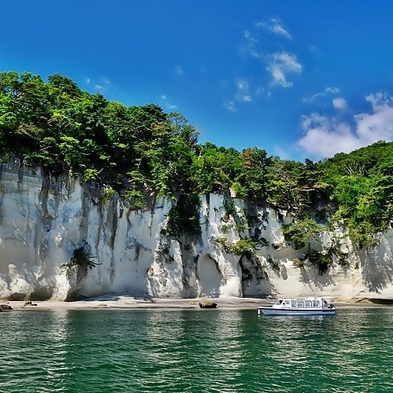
(300, 79)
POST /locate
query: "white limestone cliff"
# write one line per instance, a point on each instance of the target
(44, 219)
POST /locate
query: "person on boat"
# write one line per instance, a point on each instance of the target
(326, 304)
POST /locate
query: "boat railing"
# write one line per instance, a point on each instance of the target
(303, 303)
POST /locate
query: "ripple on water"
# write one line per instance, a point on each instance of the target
(195, 350)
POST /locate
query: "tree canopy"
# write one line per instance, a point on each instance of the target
(141, 150)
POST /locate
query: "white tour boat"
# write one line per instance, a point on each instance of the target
(307, 306)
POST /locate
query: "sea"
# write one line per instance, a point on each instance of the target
(201, 350)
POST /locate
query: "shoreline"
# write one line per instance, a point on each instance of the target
(126, 302)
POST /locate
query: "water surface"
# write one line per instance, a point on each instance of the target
(195, 351)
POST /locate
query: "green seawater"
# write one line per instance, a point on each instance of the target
(195, 351)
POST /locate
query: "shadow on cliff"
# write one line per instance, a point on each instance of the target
(117, 297)
(313, 276)
(377, 267)
(255, 279)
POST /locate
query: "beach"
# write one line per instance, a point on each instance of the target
(121, 301)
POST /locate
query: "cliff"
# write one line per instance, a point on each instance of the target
(44, 219)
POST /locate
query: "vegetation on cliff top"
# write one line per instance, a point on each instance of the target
(141, 150)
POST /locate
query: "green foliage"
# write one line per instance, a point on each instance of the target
(240, 247)
(362, 187)
(107, 193)
(322, 260)
(81, 260)
(224, 229)
(184, 217)
(240, 190)
(301, 232)
(229, 206)
(91, 174)
(215, 169)
(136, 197)
(141, 151)
(244, 245)
(298, 262)
(253, 178)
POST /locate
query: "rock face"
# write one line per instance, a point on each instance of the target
(44, 219)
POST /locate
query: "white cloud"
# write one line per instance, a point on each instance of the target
(325, 136)
(287, 61)
(379, 124)
(241, 95)
(339, 103)
(250, 38)
(280, 65)
(278, 75)
(332, 90)
(102, 86)
(275, 27)
(326, 92)
(179, 71)
(249, 48)
(243, 91)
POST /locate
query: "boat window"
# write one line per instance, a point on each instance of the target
(300, 303)
(308, 303)
(315, 303)
(286, 303)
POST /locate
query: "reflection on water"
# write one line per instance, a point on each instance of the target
(200, 344)
(339, 352)
(195, 350)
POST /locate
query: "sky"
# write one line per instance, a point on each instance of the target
(300, 79)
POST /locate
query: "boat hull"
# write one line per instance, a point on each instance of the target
(282, 311)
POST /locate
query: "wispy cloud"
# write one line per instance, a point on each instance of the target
(275, 27)
(243, 91)
(329, 91)
(241, 95)
(249, 37)
(249, 49)
(332, 90)
(280, 152)
(282, 64)
(179, 71)
(230, 106)
(101, 86)
(324, 136)
(167, 103)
